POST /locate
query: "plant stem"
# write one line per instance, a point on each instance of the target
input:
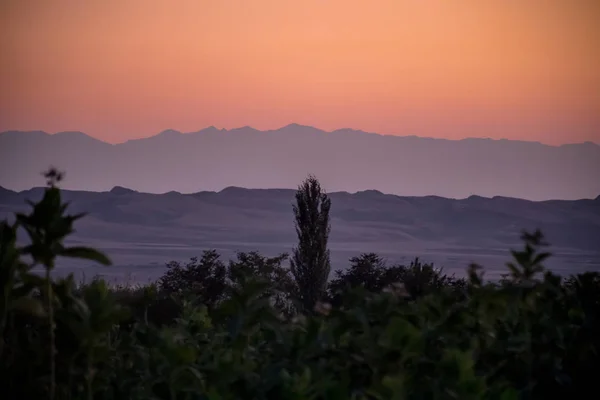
(50, 295)
(89, 378)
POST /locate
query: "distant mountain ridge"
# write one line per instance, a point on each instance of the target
(344, 160)
(213, 129)
(120, 190)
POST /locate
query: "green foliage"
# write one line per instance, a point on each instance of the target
(280, 288)
(204, 277)
(370, 273)
(208, 330)
(33, 306)
(310, 263)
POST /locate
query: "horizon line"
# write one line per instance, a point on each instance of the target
(294, 124)
(126, 189)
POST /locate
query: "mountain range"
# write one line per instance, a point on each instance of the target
(143, 231)
(343, 160)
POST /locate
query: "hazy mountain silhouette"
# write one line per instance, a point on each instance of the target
(345, 159)
(146, 230)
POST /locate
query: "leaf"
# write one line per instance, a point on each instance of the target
(195, 374)
(540, 258)
(396, 385)
(401, 334)
(33, 280)
(86, 253)
(213, 394)
(509, 394)
(30, 306)
(81, 308)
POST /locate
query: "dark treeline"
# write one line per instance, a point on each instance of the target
(258, 327)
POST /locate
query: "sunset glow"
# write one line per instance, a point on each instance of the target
(117, 70)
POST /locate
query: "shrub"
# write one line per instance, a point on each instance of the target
(204, 277)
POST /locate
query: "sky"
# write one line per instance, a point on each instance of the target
(124, 69)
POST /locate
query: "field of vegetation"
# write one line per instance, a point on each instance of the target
(254, 328)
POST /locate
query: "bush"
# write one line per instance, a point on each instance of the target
(370, 273)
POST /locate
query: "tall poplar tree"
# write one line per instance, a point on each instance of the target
(310, 262)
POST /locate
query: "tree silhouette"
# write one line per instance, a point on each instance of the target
(253, 265)
(367, 271)
(310, 263)
(204, 277)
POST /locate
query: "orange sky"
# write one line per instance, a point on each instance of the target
(121, 69)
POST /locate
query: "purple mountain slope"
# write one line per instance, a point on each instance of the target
(344, 160)
(143, 231)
